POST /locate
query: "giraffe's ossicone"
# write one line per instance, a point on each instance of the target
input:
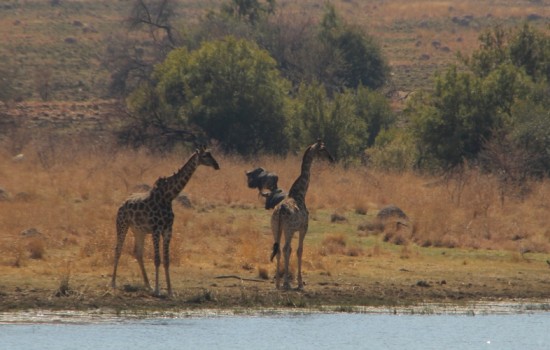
(151, 213)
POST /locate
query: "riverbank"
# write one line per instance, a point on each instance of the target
(107, 315)
(417, 285)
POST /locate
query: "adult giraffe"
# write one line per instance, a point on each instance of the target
(152, 212)
(291, 215)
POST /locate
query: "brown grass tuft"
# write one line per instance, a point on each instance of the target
(355, 251)
(333, 244)
(36, 248)
(262, 273)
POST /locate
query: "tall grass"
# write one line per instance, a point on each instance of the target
(72, 199)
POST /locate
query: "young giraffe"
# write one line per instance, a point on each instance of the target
(292, 215)
(152, 213)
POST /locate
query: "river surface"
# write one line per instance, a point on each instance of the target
(279, 331)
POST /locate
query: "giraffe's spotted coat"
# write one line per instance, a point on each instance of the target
(152, 212)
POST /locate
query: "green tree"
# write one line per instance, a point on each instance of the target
(375, 110)
(467, 108)
(451, 123)
(361, 59)
(348, 121)
(229, 89)
(530, 50)
(394, 150)
(249, 10)
(524, 48)
(532, 134)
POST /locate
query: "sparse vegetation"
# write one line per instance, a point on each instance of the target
(65, 173)
(75, 199)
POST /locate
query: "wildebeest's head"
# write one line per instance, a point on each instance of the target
(261, 179)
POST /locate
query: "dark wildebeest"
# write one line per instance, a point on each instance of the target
(263, 180)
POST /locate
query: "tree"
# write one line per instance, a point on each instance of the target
(469, 107)
(348, 121)
(128, 57)
(126, 60)
(375, 111)
(360, 57)
(249, 10)
(338, 55)
(531, 134)
(525, 48)
(530, 50)
(154, 15)
(229, 89)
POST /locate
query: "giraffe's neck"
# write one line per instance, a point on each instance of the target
(180, 178)
(300, 186)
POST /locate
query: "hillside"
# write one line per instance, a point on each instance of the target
(468, 240)
(54, 49)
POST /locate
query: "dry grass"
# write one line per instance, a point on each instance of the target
(71, 202)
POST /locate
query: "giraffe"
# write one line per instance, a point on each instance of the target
(291, 215)
(151, 212)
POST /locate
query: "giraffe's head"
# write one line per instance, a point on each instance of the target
(321, 151)
(206, 158)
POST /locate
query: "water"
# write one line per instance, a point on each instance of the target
(306, 331)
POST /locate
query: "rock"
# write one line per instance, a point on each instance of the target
(184, 200)
(4, 195)
(337, 218)
(423, 283)
(30, 232)
(18, 158)
(391, 211)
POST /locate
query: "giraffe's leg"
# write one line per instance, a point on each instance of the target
(299, 252)
(287, 250)
(166, 259)
(139, 241)
(156, 245)
(276, 229)
(121, 231)
(278, 267)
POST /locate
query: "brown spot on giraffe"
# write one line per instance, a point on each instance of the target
(292, 215)
(151, 213)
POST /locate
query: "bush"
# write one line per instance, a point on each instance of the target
(230, 89)
(348, 122)
(468, 107)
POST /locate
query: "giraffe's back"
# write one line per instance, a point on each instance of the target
(289, 215)
(136, 212)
